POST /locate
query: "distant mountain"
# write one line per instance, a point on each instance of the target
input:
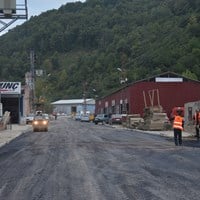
(81, 45)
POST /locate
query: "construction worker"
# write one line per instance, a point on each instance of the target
(197, 123)
(178, 125)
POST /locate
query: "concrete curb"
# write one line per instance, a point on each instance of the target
(169, 133)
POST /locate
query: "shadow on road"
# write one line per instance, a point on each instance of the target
(191, 143)
(188, 142)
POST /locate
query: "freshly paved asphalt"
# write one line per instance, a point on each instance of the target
(82, 161)
(16, 130)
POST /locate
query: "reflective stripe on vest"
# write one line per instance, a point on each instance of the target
(178, 122)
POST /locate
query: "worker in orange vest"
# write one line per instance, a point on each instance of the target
(197, 123)
(178, 126)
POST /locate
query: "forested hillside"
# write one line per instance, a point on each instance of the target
(81, 45)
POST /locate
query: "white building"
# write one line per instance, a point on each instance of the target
(190, 109)
(72, 106)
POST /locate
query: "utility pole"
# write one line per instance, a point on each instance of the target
(32, 72)
(84, 98)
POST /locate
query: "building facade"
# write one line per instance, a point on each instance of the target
(167, 90)
(72, 106)
(190, 109)
(11, 99)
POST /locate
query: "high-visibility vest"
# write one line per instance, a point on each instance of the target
(178, 122)
(197, 118)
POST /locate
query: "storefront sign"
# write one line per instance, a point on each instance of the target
(10, 87)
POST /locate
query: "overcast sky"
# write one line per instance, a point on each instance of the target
(36, 7)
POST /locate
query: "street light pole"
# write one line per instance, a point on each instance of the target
(123, 80)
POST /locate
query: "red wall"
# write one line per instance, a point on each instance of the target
(171, 94)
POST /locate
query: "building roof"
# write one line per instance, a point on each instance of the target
(73, 101)
(166, 75)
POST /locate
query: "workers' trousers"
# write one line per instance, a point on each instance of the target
(177, 136)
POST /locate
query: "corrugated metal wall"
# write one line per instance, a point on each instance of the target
(170, 94)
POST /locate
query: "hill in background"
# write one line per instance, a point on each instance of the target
(81, 45)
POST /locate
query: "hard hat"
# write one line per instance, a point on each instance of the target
(179, 110)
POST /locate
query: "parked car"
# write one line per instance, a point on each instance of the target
(115, 119)
(46, 116)
(77, 117)
(101, 118)
(40, 123)
(85, 118)
(29, 118)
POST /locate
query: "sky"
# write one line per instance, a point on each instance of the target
(36, 7)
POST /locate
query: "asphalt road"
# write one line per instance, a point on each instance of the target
(83, 161)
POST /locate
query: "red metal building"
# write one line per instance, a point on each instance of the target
(167, 90)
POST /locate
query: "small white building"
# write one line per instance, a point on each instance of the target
(190, 109)
(72, 106)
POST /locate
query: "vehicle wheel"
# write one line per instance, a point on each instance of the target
(96, 123)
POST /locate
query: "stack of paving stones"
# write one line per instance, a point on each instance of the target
(155, 119)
